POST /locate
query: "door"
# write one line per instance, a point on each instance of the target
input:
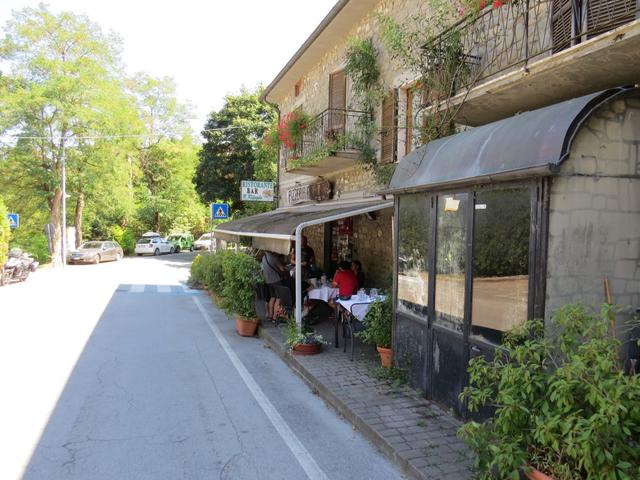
(448, 352)
(337, 103)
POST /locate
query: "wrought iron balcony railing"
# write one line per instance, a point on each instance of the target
(338, 130)
(520, 32)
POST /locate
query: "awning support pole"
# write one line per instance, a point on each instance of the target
(298, 278)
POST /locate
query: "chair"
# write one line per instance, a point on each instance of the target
(351, 324)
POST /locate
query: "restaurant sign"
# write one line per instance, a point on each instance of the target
(251, 191)
(318, 192)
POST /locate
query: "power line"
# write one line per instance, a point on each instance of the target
(114, 136)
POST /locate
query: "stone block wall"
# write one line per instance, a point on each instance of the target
(372, 245)
(594, 222)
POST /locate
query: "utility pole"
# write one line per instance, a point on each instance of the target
(64, 207)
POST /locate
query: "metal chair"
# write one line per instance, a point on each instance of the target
(351, 324)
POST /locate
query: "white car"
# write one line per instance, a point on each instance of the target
(153, 246)
(203, 243)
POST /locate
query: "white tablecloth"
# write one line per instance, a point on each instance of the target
(358, 308)
(325, 293)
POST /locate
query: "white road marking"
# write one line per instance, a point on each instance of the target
(137, 289)
(164, 289)
(306, 461)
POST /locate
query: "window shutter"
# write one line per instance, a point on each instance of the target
(409, 122)
(337, 101)
(389, 137)
(603, 15)
(562, 24)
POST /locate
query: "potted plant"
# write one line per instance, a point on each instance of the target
(303, 342)
(241, 272)
(292, 127)
(377, 329)
(564, 407)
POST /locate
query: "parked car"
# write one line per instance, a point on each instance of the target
(153, 246)
(96, 252)
(203, 243)
(181, 241)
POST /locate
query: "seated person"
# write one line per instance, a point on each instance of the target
(345, 281)
(356, 266)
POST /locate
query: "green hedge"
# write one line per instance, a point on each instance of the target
(125, 237)
(231, 276)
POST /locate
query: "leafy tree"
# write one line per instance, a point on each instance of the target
(62, 71)
(4, 234)
(233, 150)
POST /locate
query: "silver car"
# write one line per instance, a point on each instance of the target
(96, 252)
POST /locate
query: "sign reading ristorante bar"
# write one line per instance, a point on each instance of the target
(318, 192)
(251, 191)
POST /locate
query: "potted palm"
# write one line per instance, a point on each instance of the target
(303, 341)
(564, 407)
(377, 329)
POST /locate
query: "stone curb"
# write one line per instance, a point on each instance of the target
(341, 407)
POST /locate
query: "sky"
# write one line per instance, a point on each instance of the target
(211, 48)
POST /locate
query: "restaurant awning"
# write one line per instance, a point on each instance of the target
(276, 229)
(530, 143)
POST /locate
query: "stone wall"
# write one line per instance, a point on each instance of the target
(372, 245)
(314, 94)
(594, 222)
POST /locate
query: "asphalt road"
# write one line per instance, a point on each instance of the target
(118, 371)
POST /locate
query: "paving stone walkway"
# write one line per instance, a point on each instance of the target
(417, 434)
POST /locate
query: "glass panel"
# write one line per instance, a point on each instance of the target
(413, 241)
(450, 260)
(500, 262)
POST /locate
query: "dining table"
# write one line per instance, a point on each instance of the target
(326, 293)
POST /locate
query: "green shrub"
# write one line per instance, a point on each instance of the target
(378, 323)
(563, 403)
(240, 272)
(4, 234)
(125, 237)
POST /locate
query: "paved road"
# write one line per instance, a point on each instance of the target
(117, 371)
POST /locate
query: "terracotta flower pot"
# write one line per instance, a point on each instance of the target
(534, 474)
(246, 328)
(385, 356)
(306, 349)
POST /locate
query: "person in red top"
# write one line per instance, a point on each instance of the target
(345, 280)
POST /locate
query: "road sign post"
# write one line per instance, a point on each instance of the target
(219, 211)
(14, 220)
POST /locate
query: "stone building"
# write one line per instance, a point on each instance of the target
(489, 226)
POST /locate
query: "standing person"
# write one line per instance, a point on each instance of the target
(272, 270)
(356, 267)
(308, 257)
(345, 281)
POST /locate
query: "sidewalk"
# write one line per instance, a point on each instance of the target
(413, 432)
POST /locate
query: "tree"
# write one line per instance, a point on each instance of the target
(4, 234)
(63, 69)
(233, 149)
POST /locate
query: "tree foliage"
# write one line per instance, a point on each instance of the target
(126, 142)
(234, 150)
(4, 234)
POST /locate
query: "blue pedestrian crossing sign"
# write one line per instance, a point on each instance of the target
(220, 211)
(14, 220)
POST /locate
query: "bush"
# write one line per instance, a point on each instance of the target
(563, 403)
(378, 323)
(125, 237)
(4, 234)
(206, 269)
(240, 272)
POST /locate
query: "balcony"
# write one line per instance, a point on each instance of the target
(329, 143)
(530, 53)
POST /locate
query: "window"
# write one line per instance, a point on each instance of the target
(388, 129)
(297, 89)
(337, 101)
(450, 260)
(500, 261)
(413, 242)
